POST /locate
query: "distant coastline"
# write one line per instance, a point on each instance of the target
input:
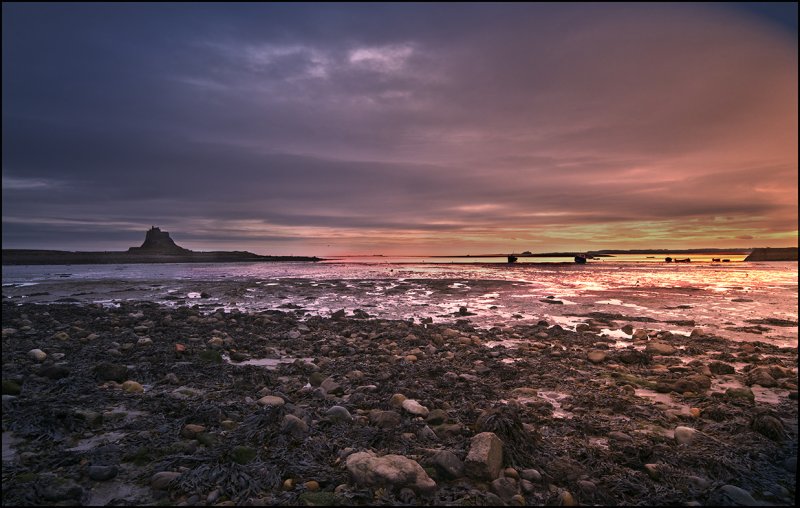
(773, 254)
(608, 253)
(57, 257)
(158, 247)
(753, 254)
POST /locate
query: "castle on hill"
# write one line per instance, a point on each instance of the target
(158, 242)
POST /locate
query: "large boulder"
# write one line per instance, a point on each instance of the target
(391, 471)
(731, 495)
(660, 348)
(485, 457)
(447, 464)
(761, 376)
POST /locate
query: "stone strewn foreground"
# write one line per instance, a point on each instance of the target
(139, 405)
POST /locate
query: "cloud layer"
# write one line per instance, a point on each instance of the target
(398, 128)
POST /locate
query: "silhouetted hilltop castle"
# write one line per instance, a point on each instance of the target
(158, 242)
(158, 247)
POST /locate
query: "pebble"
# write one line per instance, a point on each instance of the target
(338, 414)
(684, 435)
(447, 464)
(160, 481)
(132, 387)
(596, 356)
(731, 495)
(191, 430)
(332, 387)
(294, 426)
(505, 488)
(619, 436)
(415, 408)
(144, 341)
(660, 348)
(385, 419)
(652, 471)
(532, 475)
(436, 417)
(37, 355)
(567, 499)
(271, 400)
(742, 393)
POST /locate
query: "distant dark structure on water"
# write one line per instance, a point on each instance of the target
(580, 259)
(512, 258)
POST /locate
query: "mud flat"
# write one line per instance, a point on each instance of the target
(147, 404)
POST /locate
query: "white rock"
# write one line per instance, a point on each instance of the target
(393, 471)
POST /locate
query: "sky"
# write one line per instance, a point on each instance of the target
(330, 129)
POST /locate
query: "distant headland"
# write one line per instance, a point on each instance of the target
(776, 254)
(158, 247)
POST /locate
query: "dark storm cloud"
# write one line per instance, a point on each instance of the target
(279, 122)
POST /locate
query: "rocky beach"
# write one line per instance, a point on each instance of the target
(144, 403)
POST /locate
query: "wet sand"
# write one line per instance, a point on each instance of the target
(146, 403)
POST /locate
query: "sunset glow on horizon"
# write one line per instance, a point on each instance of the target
(399, 129)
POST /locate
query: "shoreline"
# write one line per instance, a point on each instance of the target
(117, 410)
(24, 257)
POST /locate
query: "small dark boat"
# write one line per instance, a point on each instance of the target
(512, 258)
(726, 260)
(668, 259)
(685, 260)
(715, 260)
(580, 259)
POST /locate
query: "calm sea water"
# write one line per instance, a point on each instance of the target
(729, 299)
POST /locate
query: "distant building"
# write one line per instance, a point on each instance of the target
(158, 242)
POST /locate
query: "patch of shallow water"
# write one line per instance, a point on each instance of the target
(598, 442)
(104, 493)
(556, 399)
(93, 442)
(566, 322)
(267, 363)
(9, 441)
(663, 399)
(763, 395)
(620, 303)
(616, 334)
(126, 415)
